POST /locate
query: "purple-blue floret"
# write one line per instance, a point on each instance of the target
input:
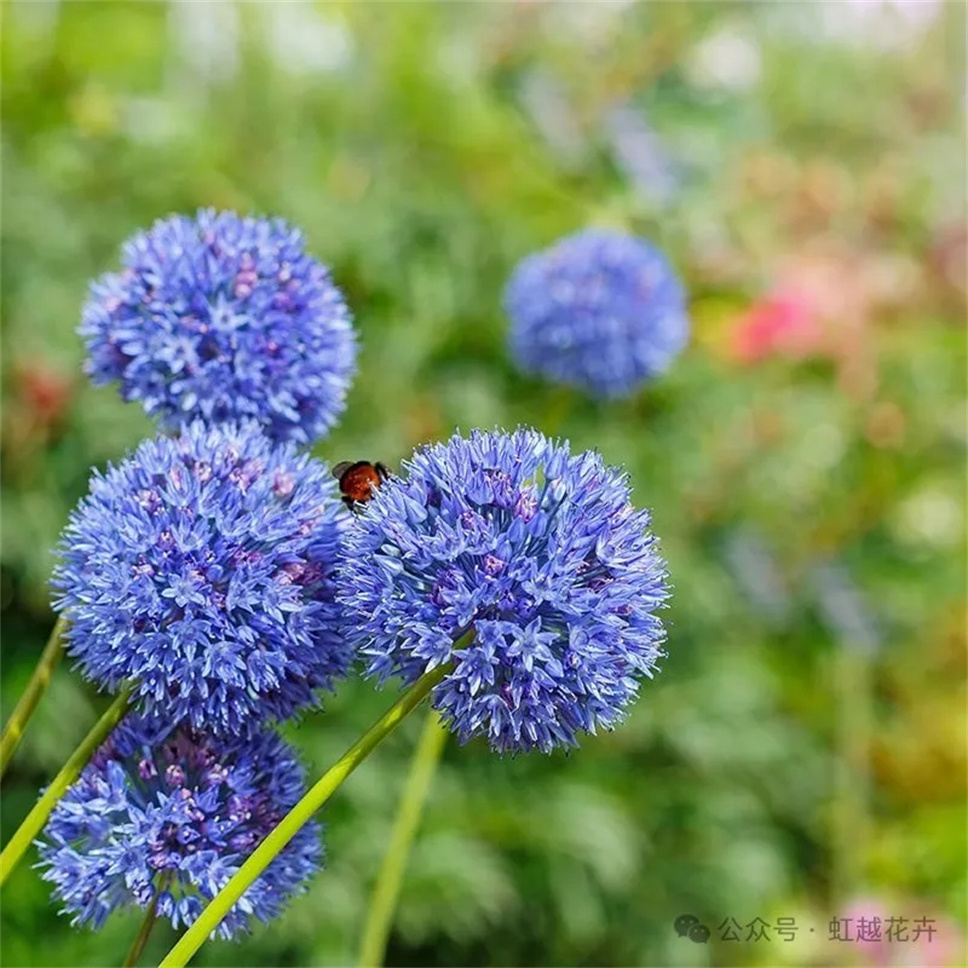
(523, 567)
(600, 310)
(201, 568)
(165, 816)
(223, 318)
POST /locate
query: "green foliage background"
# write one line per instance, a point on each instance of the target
(804, 747)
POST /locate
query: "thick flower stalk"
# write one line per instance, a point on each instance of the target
(600, 310)
(536, 552)
(163, 817)
(223, 318)
(201, 569)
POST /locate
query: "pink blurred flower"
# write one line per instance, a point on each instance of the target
(872, 911)
(946, 949)
(784, 323)
(823, 302)
(941, 947)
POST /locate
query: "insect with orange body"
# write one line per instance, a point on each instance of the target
(358, 481)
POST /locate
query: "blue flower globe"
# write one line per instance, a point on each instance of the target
(599, 310)
(522, 567)
(201, 569)
(223, 318)
(165, 816)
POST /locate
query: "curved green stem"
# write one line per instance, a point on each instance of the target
(387, 890)
(138, 947)
(14, 730)
(35, 820)
(290, 825)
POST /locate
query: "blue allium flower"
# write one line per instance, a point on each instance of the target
(600, 310)
(534, 551)
(201, 567)
(223, 318)
(172, 814)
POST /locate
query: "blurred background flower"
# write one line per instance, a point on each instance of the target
(600, 310)
(782, 323)
(812, 162)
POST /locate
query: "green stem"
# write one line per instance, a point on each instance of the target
(138, 947)
(387, 890)
(290, 825)
(35, 820)
(852, 778)
(14, 730)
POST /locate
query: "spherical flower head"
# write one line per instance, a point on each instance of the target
(166, 816)
(223, 318)
(201, 568)
(523, 566)
(600, 310)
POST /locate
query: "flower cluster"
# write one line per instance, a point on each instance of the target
(202, 568)
(523, 566)
(223, 318)
(165, 817)
(217, 572)
(600, 310)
